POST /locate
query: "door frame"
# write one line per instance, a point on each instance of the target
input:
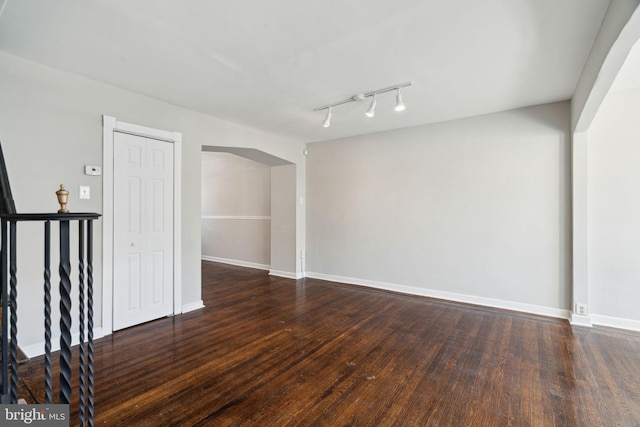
(110, 126)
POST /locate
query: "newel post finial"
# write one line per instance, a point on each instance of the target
(63, 197)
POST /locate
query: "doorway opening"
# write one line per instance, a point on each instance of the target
(248, 215)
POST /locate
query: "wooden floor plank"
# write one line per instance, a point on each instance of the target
(279, 352)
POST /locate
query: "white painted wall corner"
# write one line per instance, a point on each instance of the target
(192, 306)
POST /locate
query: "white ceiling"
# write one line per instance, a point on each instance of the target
(268, 64)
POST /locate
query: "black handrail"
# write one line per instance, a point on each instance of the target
(8, 270)
(7, 205)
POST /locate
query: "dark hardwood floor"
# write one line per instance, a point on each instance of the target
(269, 351)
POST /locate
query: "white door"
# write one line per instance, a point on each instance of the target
(143, 230)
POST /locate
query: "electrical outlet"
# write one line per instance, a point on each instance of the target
(581, 309)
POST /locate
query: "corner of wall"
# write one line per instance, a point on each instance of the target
(580, 320)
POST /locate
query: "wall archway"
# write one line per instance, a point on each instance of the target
(282, 217)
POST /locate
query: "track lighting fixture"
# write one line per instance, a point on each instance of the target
(399, 103)
(372, 108)
(327, 120)
(362, 96)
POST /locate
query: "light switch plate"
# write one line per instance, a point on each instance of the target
(85, 192)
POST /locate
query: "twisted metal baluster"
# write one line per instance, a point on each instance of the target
(5, 314)
(81, 324)
(47, 313)
(65, 315)
(90, 317)
(13, 302)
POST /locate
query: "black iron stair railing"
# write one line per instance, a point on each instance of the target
(8, 265)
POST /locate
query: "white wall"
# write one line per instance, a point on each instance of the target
(618, 33)
(474, 210)
(614, 211)
(51, 125)
(283, 221)
(236, 210)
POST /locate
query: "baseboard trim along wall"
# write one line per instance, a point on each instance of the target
(192, 306)
(615, 322)
(286, 274)
(449, 296)
(239, 263)
(580, 320)
(37, 349)
(279, 273)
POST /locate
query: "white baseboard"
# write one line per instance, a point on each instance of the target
(37, 349)
(615, 322)
(580, 320)
(192, 306)
(450, 296)
(279, 273)
(286, 274)
(235, 262)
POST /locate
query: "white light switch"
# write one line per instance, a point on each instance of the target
(85, 192)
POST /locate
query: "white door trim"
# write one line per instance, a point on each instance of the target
(111, 125)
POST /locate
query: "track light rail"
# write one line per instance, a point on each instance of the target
(362, 96)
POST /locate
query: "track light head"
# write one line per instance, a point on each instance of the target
(399, 102)
(371, 111)
(372, 108)
(327, 119)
